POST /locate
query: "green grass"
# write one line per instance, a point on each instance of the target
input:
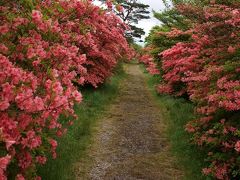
(177, 112)
(72, 147)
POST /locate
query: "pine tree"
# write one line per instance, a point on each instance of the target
(133, 12)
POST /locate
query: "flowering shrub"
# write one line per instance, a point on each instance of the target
(207, 69)
(103, 45)
(46, 48)
(149, 62)
(159, 40)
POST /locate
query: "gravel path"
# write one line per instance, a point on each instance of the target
(130, 142)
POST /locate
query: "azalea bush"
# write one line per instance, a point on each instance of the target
(206, 68)
(149, 62)
(48, 49)
(173, 29)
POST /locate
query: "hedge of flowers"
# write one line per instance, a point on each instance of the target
(47, 49)
(206, 68)
(148, 61)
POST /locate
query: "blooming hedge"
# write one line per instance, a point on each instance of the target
(148, 61)
(206, 68)
(47, 49)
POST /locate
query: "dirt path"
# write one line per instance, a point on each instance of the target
(129, 142)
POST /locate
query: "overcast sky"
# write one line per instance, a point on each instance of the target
(147, 24)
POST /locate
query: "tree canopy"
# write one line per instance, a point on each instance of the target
(132, 12)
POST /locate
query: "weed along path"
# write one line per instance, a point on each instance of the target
(130, 142)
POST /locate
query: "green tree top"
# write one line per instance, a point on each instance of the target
(133, 12)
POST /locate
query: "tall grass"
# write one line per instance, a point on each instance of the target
(72, 147)
(177, 112)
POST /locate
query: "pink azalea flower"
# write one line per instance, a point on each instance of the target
(237, 146)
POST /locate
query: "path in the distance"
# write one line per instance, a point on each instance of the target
(130, 141)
